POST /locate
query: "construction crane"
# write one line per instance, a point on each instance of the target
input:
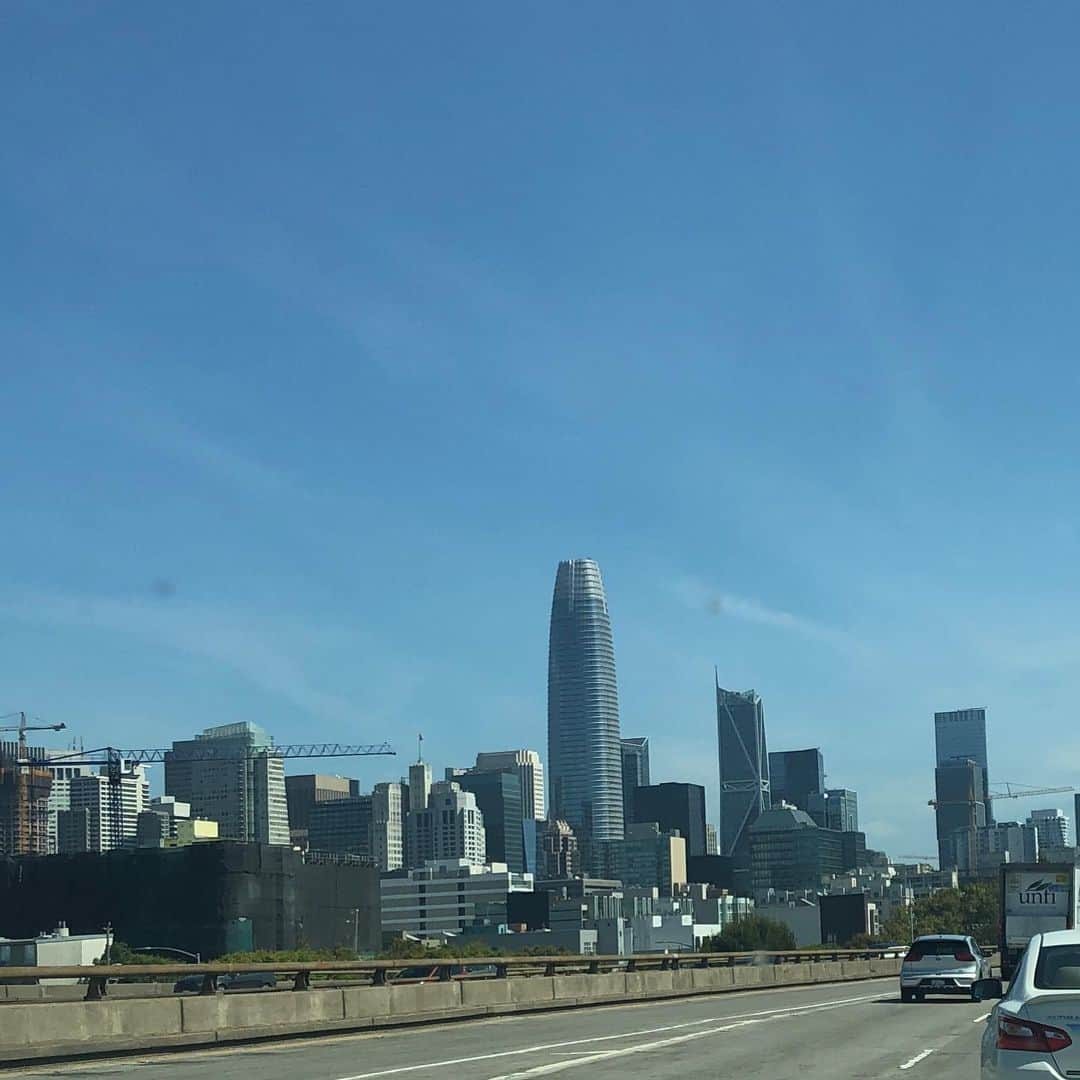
(116, 761)
(23, 809)
(1008, 793)
(22, 727)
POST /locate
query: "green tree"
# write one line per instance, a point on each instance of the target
(750, 933)
(972, 909)
(121, 953)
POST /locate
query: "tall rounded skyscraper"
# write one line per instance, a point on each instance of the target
(584, 752)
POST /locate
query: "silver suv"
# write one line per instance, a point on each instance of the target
(942, 964)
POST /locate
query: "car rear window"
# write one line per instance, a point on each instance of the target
(1058, 968)
(938, 946)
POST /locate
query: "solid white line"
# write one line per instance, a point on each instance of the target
(916, 1059)
(641, 1048)
(789, 1010)
(980, 1019)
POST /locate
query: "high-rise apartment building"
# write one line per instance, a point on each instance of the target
(795, 775)
(679, 807)
(959, 736)
(530, 771)
(834, 808)
(498, 795)
(93, 797)
(584, 749)
(744, 766)
(1052, 827)
(635, 773)
(231, 775)
(63, 772)
(388, 826)
(450, 827)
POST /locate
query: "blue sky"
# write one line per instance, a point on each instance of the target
(326, 331)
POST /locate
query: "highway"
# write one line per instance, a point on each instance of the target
(838, 1031)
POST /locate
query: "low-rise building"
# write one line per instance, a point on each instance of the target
(168, 823)
(61, 948)
(448, 895)
(801, 915)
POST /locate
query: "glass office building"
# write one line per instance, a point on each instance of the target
(744, 766)
(795, 775)
(584, 748)
(959, 736)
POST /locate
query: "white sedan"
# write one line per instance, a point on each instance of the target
(1035, 1030)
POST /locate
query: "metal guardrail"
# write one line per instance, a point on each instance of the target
(381, 972)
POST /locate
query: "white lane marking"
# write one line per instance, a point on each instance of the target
(916, 1059)
(790, 1010)
(980, 1019)
(641, 1048)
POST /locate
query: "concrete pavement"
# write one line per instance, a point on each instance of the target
(836, 1031)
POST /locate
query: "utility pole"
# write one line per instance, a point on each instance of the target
(356, 930)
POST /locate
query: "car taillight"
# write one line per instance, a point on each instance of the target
(913, 956)
(1017, 1034)
(963, 955)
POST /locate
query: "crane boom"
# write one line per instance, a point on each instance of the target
(212, 753)
(1023, 793)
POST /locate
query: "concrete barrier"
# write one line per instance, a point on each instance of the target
(36, 1030)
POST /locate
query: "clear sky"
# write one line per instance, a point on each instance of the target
(326, 330)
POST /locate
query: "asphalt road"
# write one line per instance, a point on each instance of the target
(837, 1031)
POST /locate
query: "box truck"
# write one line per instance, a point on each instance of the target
(1035, 897)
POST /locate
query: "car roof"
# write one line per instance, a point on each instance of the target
(1061, 937)
(942, 937)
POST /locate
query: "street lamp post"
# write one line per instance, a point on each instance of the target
(196, 957)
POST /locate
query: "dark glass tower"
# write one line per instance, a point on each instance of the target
(744, 766)
(584, 749)
(959, 736)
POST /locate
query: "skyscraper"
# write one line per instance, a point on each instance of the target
(231, 775)
(960, 794)
(959, 736)
(388, 826)
(584, 751)
(451, 826)
(498, 796)
(835, 808)
(419, 785)
(679, 807)
(635, 773)
(795, 775)
(744, 766)
(530, 771)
